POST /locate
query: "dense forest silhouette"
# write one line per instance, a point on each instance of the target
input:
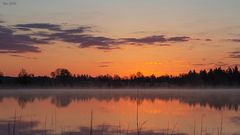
(63, 78)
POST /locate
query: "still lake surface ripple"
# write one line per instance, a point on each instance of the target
(120, 112)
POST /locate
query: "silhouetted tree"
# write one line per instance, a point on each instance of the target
(203, 75)
(1, 77)
(62, 75)
(24, 78)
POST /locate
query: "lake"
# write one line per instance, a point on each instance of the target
(120, 112)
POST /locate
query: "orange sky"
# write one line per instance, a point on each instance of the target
(125, 61)
(118, 37)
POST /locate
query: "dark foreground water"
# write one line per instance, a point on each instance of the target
(119, 112)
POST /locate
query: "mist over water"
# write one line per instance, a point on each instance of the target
(122, 111)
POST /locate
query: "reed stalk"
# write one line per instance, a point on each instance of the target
(138, 130)
(45, 125)
(194, 128)
(201, 130)
(102, 129)
(14, 123)
(127, 130)
(221, 125)
(91, 124)
(9, 130)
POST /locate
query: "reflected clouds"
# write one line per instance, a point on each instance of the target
(32, 128)
(235, 120)
(21, 127)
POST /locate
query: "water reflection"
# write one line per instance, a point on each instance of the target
(68, 112)
(229, 99)
(17, 127)
(29, 128)
(236, 120)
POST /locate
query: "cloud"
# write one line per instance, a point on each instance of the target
(179, 39)
(86, 41)
(103, 66)
(74, 35)
(216, 64)
(23, 29)
(10, 42)
(83, 40)
(20, 56)
(208, 39)
(200, 64)
(156, 39)
(22, 38)
(17, 43)
(235, 40)
(77, 30)
(52, 27)
(235, 54)
(47, 26)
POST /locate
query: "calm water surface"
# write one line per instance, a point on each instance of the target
(157, 112)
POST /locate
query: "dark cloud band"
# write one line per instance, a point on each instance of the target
(156, 39)
(235, 40)
(10, 42)
(235, 54)
(17, 43)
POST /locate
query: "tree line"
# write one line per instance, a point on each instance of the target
(62, 78)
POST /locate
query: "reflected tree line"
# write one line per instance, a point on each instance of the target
(63, 78)
(17, 126)
(214, 99)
